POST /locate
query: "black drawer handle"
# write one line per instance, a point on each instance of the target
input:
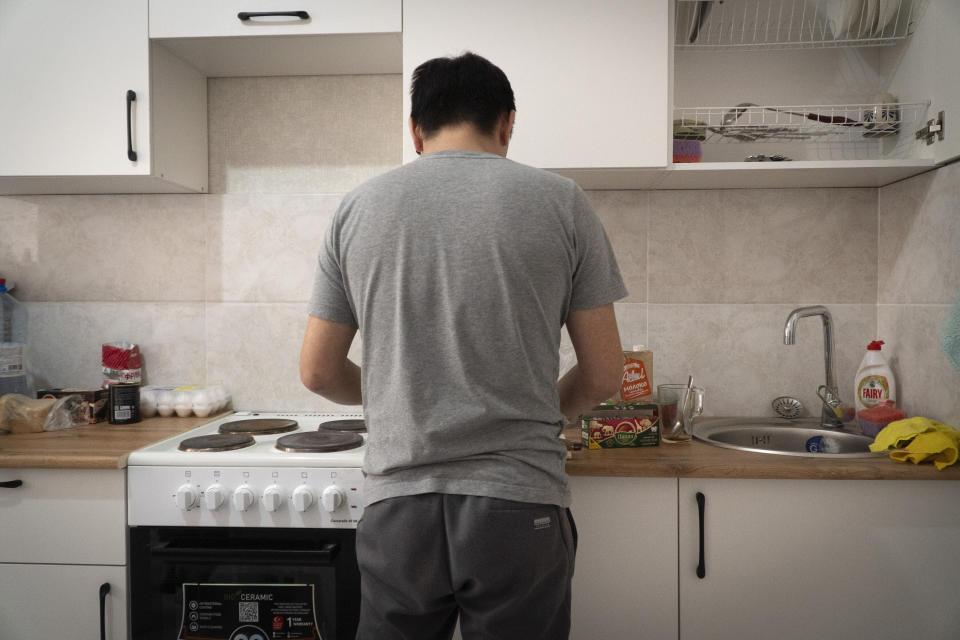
(11, 484)
(104, 590)
(131, 98)
(702, 567)
(247, 15)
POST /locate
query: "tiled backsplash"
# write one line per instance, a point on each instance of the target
(214, 287)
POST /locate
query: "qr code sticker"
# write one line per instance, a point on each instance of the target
(249, 612)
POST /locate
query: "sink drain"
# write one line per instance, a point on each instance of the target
(787, 407)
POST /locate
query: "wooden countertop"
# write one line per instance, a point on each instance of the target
(106, 446)
(90, 446)
(696, 459)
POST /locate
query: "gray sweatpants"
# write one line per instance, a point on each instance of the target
(503, 566)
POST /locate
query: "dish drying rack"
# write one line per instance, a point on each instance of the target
(818, 123)
(715, 25)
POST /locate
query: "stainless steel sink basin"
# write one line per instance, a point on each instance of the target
(784, 437)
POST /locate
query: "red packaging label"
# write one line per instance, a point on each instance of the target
(635, 384)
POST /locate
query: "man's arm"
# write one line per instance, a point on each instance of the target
(599, 367)
(324, 366)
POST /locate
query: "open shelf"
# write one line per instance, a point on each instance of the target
(792, 24)
(791, 123)
(753, 175)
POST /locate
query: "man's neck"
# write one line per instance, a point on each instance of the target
(463, 138)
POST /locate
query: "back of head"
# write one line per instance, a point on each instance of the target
(450, 91)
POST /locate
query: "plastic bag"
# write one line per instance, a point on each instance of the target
(20, 414)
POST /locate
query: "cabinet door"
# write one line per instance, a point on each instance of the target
(590, 78)
(61, 601)
(820, 559)
(625, 582)
(63, 516)
(191, 19)
(924, 68)
(65, 69)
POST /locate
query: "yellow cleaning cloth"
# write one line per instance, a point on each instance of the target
(919, 439)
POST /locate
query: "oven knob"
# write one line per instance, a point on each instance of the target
(214, 496)
(242, 498)
(272, 497)
(186, 497)
(332, 498)
(302, 498)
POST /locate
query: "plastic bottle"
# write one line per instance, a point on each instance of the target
(874, 381)
(13, 343)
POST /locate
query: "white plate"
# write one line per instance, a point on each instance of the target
(693, 34)
(888, 9)
(843, 16)
(868, 24)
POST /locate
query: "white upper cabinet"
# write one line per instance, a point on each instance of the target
(926, 66)
(277, 37)
(591, 79)
(81, 108)
(227, 18)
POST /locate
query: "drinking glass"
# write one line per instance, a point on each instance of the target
(679, 405)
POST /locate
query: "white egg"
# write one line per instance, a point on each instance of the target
(201, 402)
(165, 403)
(183, 403)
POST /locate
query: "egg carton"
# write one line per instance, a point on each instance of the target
(183, 400)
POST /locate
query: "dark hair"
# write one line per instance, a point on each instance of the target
(466, 88)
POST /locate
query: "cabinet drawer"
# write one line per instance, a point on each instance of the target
(62, 601)
(191, 19)
(63, 516)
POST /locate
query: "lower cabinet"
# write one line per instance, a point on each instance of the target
(62, 601)
(625, 581)
(63, 556)
(801, 559)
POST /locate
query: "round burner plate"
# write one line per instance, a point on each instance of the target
(217, 442)
(319, 441)
(259, 426)
(351, 425)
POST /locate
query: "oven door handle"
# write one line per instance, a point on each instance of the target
(323, 555)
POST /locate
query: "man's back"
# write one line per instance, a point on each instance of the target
(459, 270)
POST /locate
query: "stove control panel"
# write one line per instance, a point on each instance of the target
(240, 497)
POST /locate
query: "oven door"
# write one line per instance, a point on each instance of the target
(199, 583)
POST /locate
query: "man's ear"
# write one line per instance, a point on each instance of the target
(417, 137)
(505, 131)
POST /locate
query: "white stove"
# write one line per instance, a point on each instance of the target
(269, 481)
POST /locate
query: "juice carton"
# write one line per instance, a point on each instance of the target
(636, 383)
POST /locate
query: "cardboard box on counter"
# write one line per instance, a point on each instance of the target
(617, 426)
(94, 402)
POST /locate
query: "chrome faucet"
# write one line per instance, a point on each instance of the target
(828, 418)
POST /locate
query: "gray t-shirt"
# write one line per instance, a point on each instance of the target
(460, 269)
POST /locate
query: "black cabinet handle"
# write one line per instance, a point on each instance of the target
(246, 15)
(131, 98)
(702, 567)
(104, 590)
(11, 484)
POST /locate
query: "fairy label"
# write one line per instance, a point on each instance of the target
(872, 389)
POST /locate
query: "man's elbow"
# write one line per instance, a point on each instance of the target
(605, 384)
(315, 381)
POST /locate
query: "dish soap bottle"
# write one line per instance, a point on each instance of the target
(874, 379)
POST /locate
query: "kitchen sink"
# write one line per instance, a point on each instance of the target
(797, 437)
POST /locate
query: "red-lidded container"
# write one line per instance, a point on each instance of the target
(874, 419)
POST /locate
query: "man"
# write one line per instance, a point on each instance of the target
(459, 270)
